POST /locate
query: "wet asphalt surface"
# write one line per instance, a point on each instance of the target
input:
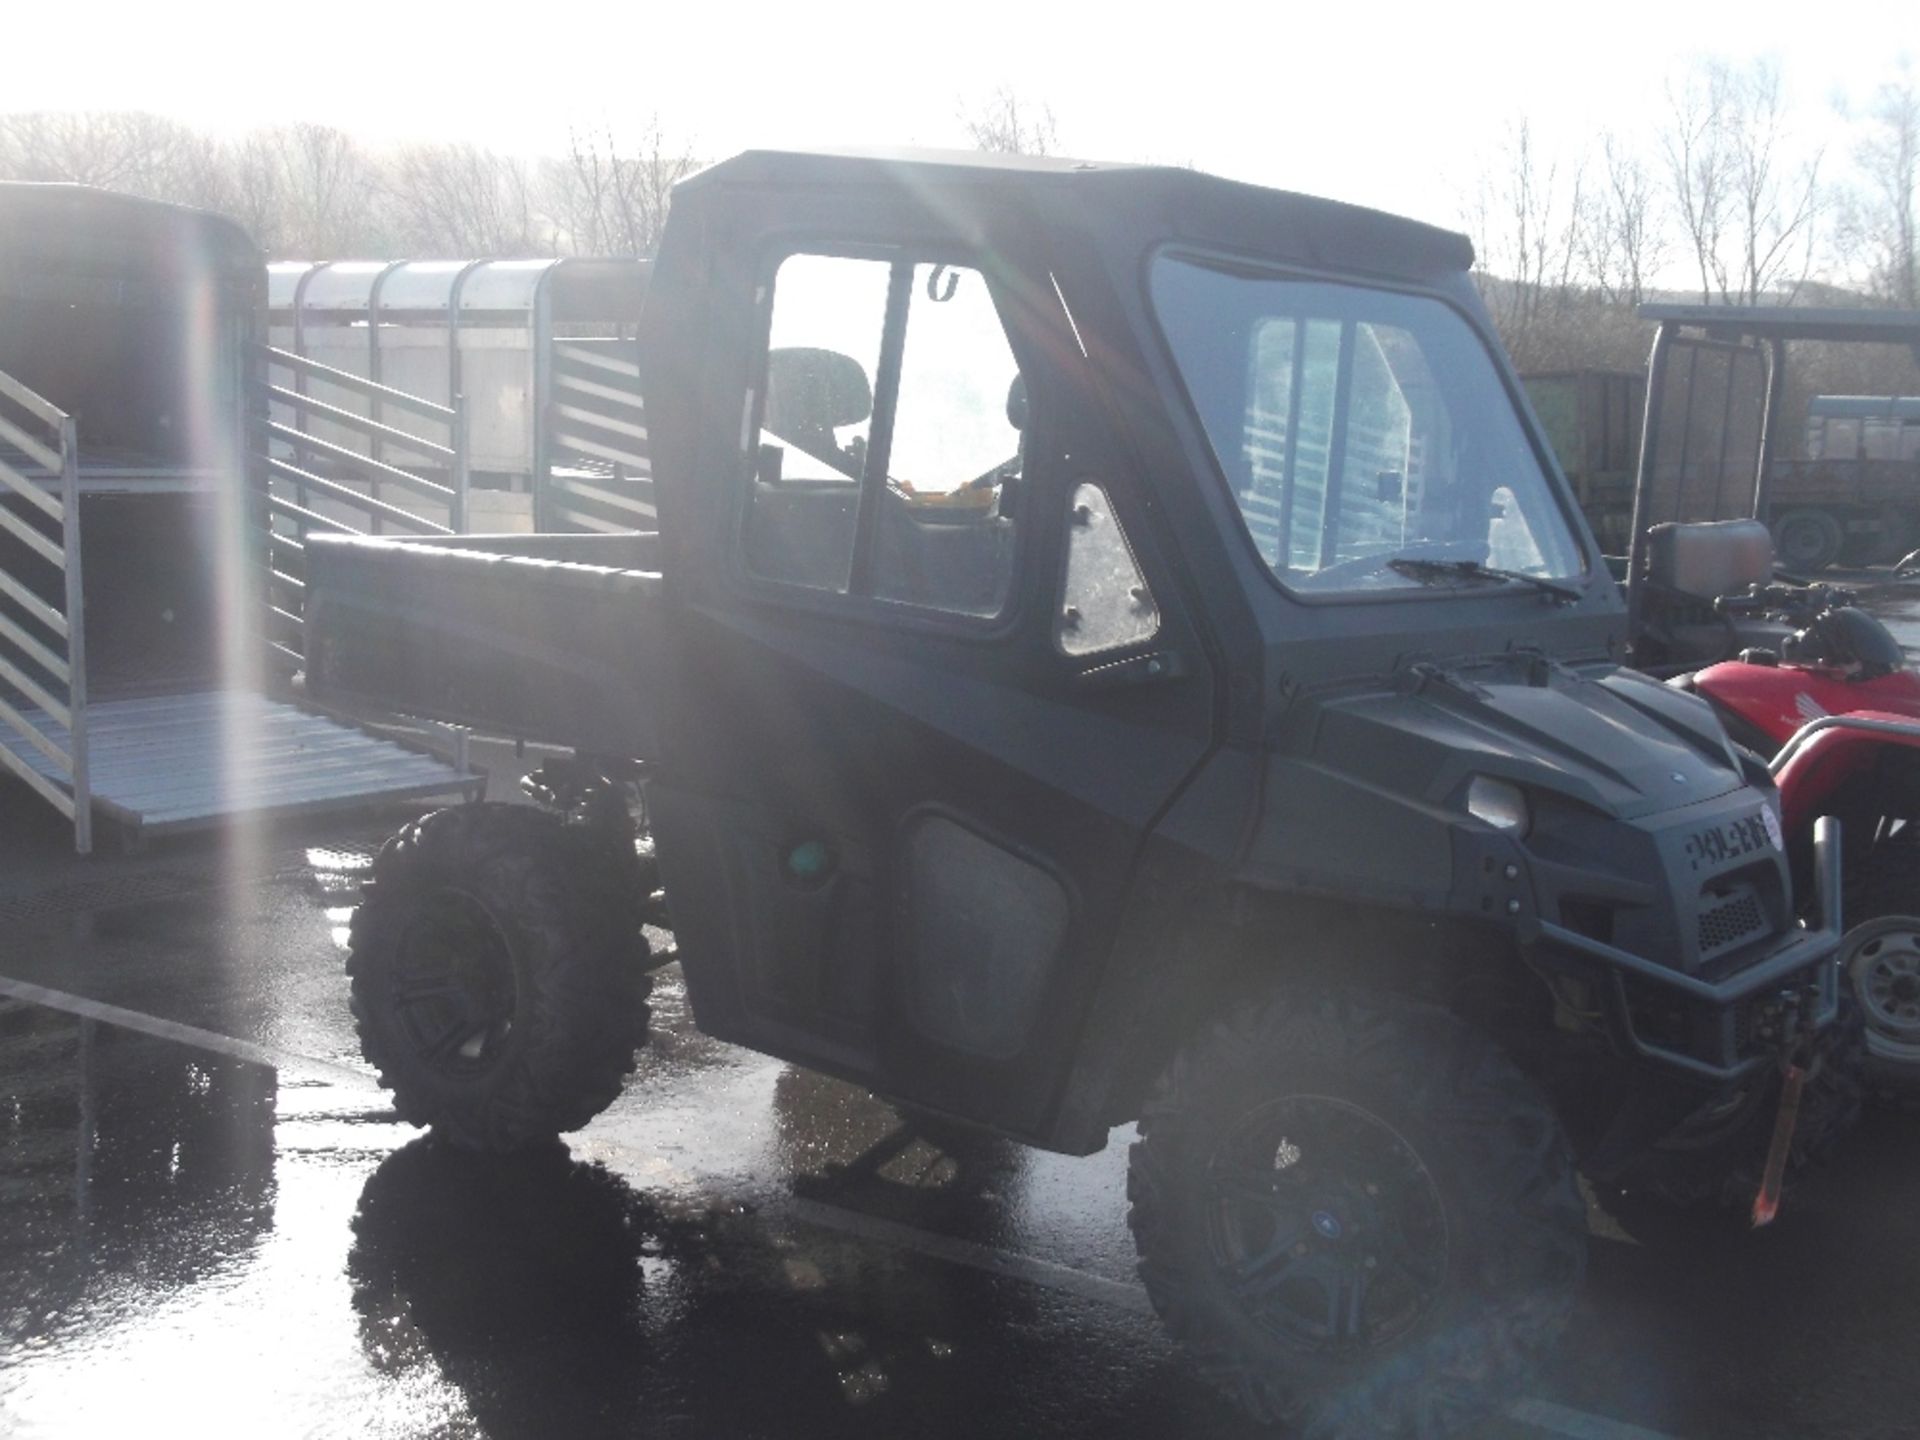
(212, 1223)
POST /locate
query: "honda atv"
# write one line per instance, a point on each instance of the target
(1798, 673)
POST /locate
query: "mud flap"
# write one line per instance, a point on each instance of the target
(1766, 1203)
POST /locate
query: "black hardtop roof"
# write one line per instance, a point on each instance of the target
(68, 225)
(1045, 179)
(1792, 322)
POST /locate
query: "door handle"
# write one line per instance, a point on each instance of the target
(1149, 669)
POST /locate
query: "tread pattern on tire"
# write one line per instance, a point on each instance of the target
(1511, 1179)
(584, 1012)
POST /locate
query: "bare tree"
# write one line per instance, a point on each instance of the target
(308, 190)
(461, 200)
(1005, 124)
(1885, 217)
(126, 150)
(1694, 148)
(610, 198)
(1622, 236)
(1524, 218)
(1748, 205)
(1776, 198)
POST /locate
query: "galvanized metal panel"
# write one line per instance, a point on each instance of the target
(283, 279)
(420, 285)
(505, 285)
(176, 760)
(345, 286)
(498, 382)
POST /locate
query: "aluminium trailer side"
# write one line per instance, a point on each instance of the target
(542, 351)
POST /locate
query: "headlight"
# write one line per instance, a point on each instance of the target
(1499, 803)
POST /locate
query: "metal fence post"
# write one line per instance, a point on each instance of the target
(462, 480)
(76, 638)
(540, 482)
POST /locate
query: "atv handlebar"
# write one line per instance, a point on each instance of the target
(1795, 603)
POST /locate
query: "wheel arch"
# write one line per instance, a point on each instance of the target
(1233, 942)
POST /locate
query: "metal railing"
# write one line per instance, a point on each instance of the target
(594, 470)
(308, 482)
(43, 658)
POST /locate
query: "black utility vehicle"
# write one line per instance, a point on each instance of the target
(1115, 649)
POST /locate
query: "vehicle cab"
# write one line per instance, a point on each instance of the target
(1057, 552)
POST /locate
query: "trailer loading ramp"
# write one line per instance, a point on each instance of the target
(184, 761)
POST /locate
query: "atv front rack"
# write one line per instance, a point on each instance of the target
(1798, 985)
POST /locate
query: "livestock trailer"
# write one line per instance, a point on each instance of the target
(542, 352)
(132, 549)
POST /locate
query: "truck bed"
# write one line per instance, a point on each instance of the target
(1836, 482)
(536, 637)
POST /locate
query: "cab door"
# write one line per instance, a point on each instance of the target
(935, 691)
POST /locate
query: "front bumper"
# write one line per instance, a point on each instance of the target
(1717, 1030)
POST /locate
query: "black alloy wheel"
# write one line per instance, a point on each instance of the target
(1325, 1226)
(455, 993)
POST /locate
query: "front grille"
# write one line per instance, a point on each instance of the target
(1730, 919)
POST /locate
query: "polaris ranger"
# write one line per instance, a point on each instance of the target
(1116, 648)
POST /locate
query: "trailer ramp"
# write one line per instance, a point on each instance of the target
(179, 762)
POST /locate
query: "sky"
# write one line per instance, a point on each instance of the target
(1386, 104)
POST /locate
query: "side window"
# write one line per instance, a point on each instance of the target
(890, 388)
(1843, 440)
(946, 535)
(1105, 603)
(823, 349)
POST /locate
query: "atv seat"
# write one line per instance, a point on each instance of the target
(1689, 566)
(1709, 558)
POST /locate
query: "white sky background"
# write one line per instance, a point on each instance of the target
(1387, 104)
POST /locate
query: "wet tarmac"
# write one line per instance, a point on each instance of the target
(212, 1223)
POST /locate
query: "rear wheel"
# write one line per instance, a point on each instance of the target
(498, 984)
(1356, 1216)
(1807, 539)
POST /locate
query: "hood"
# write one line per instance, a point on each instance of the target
(1611, 739)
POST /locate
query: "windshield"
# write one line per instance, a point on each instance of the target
(1358, 428)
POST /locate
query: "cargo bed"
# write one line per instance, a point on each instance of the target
(535, 637)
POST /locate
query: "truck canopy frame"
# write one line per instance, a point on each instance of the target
(1761, 332)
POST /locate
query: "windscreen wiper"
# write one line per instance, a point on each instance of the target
(1418, 568)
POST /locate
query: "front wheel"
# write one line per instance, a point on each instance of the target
(498, 986)
(1880, 957)
(1356, 1215)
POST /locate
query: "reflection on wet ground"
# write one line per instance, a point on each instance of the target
(196, 1236)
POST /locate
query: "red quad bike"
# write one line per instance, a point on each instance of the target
(1797, 672)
